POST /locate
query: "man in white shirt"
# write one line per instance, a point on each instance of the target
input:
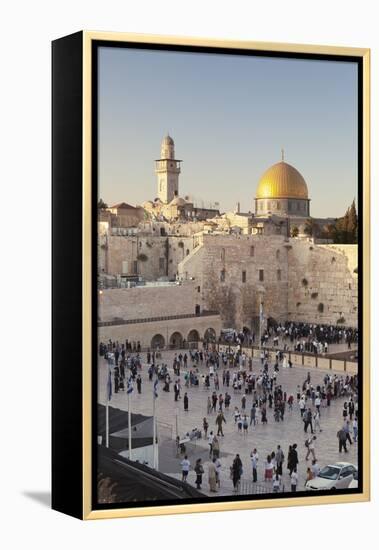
(294, 481)
(315, 468)
(254, 463)
(311, 447)
(185, 463)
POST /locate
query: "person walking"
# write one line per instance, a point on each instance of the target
(307, 417)
(209, 405)
(219, 420)
(254, 464)
(236, 472)
(205, 427)
(316, 421)
(276, 483)
(341, 435)
(245, 425)
(185, 463)
(185, 402)
(218, 472)
(315, 468)
(310, 444)
(294, 481)
(252, 415)
(215, 447)
(210, 443)
(279, 457)
(355, 429)
(269, 467)
(293, 459)
(309, 476)
(199, 470)
(212, 476)
(347, 430)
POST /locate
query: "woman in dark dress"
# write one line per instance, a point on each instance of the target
(236, 471)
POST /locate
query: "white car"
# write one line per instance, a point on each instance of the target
(333, 476)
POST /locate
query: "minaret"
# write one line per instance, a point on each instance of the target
(167, 169)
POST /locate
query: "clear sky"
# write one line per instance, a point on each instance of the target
(229, 117)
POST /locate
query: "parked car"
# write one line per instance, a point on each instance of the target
(333, 476)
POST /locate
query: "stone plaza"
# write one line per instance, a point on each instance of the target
(173, 420)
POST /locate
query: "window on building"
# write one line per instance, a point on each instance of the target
(125, 267)
(198, 289)
(187, 252)
(161, 264)
(252, 251)
(278, 254)
(244, 276)
(261, 275)
(279, 274)
(222, 275)
(135, 267)
(278, 205)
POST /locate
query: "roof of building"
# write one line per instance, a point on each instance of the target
(123, 206)
(168, 140)
(178, 201)
(282, 181)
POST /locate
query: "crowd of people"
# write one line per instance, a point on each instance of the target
(300, 337)
(256, 398)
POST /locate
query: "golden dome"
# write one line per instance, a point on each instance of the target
(282, 181)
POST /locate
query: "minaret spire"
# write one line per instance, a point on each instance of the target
(282, 154)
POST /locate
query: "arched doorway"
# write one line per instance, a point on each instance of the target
(210, 335)
(246, 334)
(193, 336)
(157, 342)
(176, 340)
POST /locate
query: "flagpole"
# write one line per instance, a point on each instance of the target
(109, 395)
(107, 424)
(129, 428)
(154, 436)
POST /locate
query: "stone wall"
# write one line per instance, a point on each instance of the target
(317, 282)
(323, 287)
(151, 257)
(142, 302)
(228, 270)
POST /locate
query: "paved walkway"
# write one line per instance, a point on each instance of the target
(264, 437)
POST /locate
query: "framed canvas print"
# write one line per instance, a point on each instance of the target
(210, 275)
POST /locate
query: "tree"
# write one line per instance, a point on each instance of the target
(311, 228)
(345, 229)
(101, 205)
(352, 223)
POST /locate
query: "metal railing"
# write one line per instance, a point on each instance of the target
(155, 319)
(249, 487)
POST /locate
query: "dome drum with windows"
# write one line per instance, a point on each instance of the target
(282, 190)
